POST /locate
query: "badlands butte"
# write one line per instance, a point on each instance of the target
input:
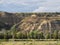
(27, 22)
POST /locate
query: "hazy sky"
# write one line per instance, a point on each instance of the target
(30, 5)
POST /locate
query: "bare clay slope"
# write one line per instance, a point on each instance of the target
(36, 23)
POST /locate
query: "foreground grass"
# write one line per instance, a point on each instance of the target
(30, 43)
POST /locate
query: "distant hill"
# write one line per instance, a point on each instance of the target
(13, 18)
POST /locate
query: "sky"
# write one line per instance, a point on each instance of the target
(30, 5)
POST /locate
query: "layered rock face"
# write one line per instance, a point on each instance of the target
(36, 23)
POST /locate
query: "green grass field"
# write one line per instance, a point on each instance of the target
(30, 43)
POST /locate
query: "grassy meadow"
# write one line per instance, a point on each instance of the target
(33, 42)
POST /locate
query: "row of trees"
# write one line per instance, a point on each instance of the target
(30, 35)
(15, 34)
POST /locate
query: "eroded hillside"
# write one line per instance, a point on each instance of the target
(28, 21)
(36, 23)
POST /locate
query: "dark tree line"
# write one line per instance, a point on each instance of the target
(31, 35)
